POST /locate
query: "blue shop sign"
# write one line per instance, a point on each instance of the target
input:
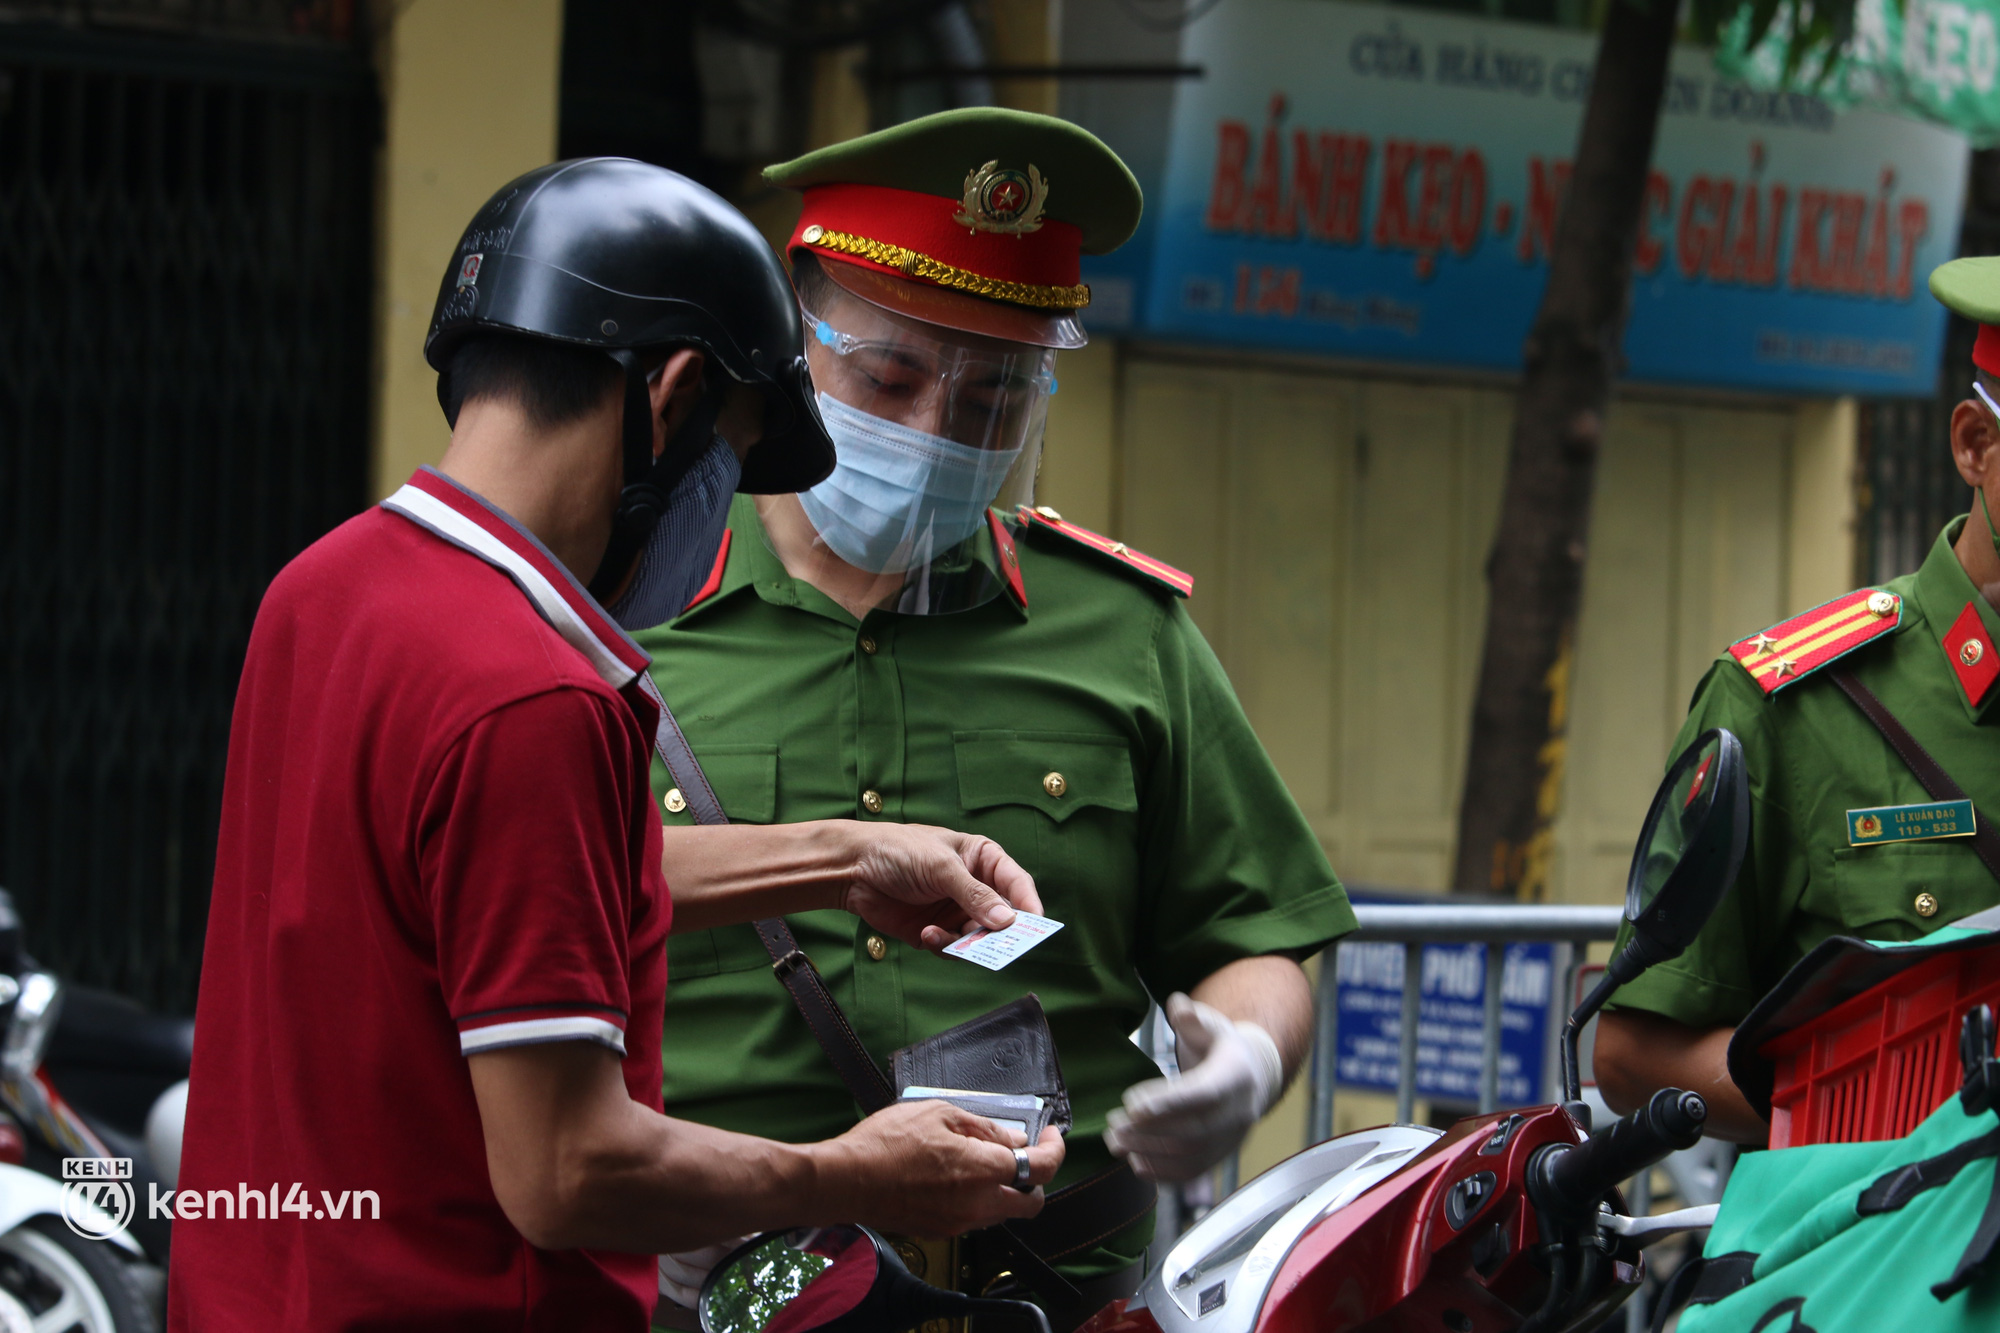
(1383, 184)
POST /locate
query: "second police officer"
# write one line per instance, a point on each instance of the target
(1878, 704)
(912, 640)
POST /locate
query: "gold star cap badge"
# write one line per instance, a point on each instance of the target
(1001, 199)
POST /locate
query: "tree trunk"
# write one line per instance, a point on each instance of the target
(1513, 776)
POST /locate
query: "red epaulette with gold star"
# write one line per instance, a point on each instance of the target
(1793, 649)
(1177, 581)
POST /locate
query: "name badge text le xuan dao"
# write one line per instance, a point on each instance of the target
(1909, 823)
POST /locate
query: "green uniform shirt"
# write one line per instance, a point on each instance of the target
(1812, 757)
(1173, 849)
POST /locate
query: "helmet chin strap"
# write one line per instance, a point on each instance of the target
(648, 481)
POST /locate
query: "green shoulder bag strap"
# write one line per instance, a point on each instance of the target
(1936, 782)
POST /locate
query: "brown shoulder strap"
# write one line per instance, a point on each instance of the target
(1937, 782)
(850, 1059)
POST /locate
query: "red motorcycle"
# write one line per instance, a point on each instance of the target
(1505, 1223)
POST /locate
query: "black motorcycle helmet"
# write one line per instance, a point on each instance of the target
(621, 255)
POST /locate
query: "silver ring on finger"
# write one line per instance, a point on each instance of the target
(1021, 1169)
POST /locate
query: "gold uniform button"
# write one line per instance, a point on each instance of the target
(867, 645)
(1054, 784)
(674, 801)
(1048, 513)
(1972, 652)
(878, 948)
(1882, 603)
(1926, 905)
(812, 234)
(871, 801)
(912, 1255)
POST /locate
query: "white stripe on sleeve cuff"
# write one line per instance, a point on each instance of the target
(535, 1031)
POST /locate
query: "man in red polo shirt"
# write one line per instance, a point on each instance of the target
(426, 1085)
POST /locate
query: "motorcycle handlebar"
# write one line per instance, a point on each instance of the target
(1570, 1181)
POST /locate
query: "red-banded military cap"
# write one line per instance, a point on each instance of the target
(976, 218)
(1971, 287)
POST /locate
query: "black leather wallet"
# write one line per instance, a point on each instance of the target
(1009, 1050)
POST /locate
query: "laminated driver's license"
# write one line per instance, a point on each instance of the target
(994, 949)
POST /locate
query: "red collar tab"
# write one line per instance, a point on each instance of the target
(1970, 650)
(1986, 349)
(1791, 650)
(1010, 559)
(1178, 581)
(442, 507)
(714, 583)
(992, 243)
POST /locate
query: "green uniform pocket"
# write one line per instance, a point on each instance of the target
(745, 779)
(1064, 804)
(707, 953)
(1055, 772)
(1903, 891)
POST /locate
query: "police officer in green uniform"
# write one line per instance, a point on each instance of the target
(913, 641)
(1829, 790)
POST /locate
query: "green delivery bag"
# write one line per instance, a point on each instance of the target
(1856, 1237)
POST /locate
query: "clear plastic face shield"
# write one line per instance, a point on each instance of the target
(1985, 511)
(932, 426)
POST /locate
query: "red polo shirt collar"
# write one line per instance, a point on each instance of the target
(467, 520)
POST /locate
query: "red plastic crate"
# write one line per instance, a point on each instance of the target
(1875, 1066)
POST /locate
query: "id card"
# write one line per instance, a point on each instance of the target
(994, 949)
(1020, 1113)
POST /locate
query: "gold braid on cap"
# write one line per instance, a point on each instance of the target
(946, 275)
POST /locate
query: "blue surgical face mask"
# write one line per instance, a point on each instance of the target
(898, 497)
(681, 551)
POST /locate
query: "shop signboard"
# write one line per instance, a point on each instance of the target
(1382, 184)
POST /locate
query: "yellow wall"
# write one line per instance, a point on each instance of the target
(1336, 528)
(471, 90)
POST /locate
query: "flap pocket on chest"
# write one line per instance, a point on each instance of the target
(1903, 892)
(1056, 772)
(745, 778)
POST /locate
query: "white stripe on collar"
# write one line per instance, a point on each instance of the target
(427, 511)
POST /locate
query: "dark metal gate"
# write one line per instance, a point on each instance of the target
(185, 288)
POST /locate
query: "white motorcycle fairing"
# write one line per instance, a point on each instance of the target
(1215, 1277)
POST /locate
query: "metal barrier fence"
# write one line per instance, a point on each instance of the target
(1413, 925)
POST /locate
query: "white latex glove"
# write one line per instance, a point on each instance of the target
(681, 1275)
(1173, 1129)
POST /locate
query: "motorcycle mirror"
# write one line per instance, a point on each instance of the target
(1688, 854)
(1689, 849)
(839, 1279)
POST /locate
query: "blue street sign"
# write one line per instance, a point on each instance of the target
(1450, 1021)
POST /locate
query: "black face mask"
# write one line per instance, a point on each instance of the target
(679, 554)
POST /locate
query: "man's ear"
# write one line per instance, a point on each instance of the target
(675, 388)
(1975, 441)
